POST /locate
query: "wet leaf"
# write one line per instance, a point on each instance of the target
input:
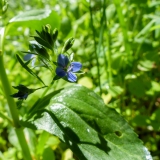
(92, 130)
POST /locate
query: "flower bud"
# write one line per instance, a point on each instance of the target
(55, 34)
(47, 28)
(68, 44)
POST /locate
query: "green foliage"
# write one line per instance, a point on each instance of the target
(119, 50)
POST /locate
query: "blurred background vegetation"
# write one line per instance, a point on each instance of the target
(119, 47)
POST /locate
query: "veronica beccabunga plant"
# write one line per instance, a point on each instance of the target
(74, 114)
(41, 52)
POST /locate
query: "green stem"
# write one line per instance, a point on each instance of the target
(7, 91)
(109, 57)
(11, 103)
(151, 105)
(23, 143)
(109, 52)
(95, 48)
(102, 40)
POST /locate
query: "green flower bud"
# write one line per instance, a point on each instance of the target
(68, 44)
(55, 34)
(47, 28)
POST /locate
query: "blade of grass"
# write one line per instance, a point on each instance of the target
(95, 46)
(124, 28)
(108, 63)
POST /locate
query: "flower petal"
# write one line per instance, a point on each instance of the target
(76, 66)
(62, 60)
(71, 77)
(27, 57)
(60, 72)
(33, 62)
(20, 95)
(25, 96)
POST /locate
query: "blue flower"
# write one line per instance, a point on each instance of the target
(28, 57)
(22, 93)
(66, 68)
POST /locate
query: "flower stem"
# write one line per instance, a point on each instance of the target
(7, 91)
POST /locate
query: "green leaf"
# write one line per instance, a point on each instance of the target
(92, 130)
(111, 9)
(35, 19)
(115, 90)
(146, 29)
(43, 42)
(31, 15)
(140, 120)
(48, 154)
(42, 142)
(139, 86)
(145, 65)
(42, 102)
(24, 65)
